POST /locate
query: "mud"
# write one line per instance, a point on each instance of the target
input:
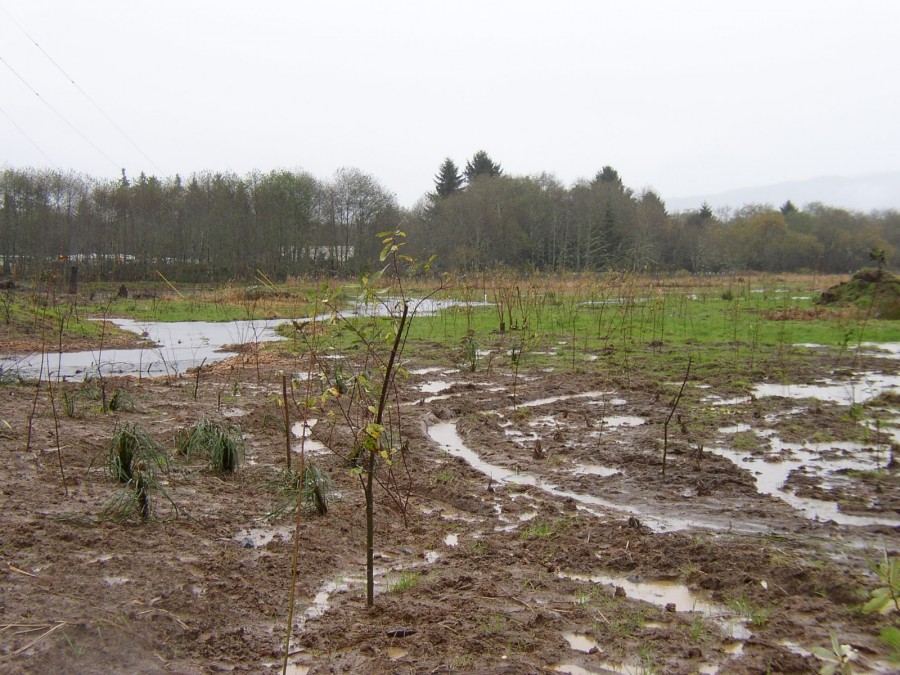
(546, 562)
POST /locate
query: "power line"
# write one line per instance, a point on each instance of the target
(82, 91)
(59, 114)
(30, 139)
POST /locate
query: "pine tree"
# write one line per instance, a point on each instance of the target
(610, 176)
(482, 165)
(448, 181)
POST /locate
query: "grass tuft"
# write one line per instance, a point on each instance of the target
(221, 445)
(316, 493)
(129, 446)
(404, 582)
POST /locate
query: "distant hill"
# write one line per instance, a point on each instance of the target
(860, 193)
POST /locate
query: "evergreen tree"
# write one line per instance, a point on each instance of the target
(482, 165)
(609, 176)
(448, 181)
(788, 207)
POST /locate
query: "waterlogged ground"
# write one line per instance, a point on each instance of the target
(539, 532)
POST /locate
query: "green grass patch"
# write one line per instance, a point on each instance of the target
(404, 582)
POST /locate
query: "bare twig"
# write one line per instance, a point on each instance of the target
(34, 642)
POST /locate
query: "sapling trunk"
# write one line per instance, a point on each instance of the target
(687, 372)
(369, 489)
(287, 421)
(62, 472)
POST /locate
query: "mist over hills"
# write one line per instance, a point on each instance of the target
(870, 192)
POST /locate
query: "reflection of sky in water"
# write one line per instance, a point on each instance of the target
(178, 345)
(822, 460)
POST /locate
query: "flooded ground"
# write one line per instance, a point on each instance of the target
(172, 348)
(541, 533)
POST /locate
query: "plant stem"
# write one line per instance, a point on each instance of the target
(370, 497)
(287, 421)
(687, 372)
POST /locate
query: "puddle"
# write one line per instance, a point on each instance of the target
(297, 669)
(573, 669)
(303, 431)
(555, 399)
(395, 653)
(425, 371)
(595, 470)
(435, 386)
(630, 667)
(235, 412)
(321, 602)
(431, 557)
(257, 537)
(794, 647)
(623, 421)
(884, 350)
(857, 390)
(179, 345)
(719, 401)
(450, 513)
(660, 593)
(115, 581)
(771, 476)
(451, 540)
(736, 429)
(581, 643)
(446, 435)
(665, 593)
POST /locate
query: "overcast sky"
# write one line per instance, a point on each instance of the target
(688, 97)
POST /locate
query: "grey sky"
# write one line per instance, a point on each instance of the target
(686, 97)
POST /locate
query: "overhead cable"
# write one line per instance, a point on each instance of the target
(59, 114)
(83, 92)
(30, 139)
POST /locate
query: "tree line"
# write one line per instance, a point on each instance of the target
(215, 226)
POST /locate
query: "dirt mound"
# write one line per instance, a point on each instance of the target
(867, 286)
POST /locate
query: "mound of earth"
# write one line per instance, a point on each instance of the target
(867, 285)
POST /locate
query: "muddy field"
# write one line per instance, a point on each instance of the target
(540, 533)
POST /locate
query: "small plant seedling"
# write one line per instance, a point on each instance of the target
(891, 637)
(885, 599)
(838, 658)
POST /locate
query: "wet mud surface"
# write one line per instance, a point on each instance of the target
(541, 530)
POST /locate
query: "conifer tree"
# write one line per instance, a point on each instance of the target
(482, 165)
(448, 181)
